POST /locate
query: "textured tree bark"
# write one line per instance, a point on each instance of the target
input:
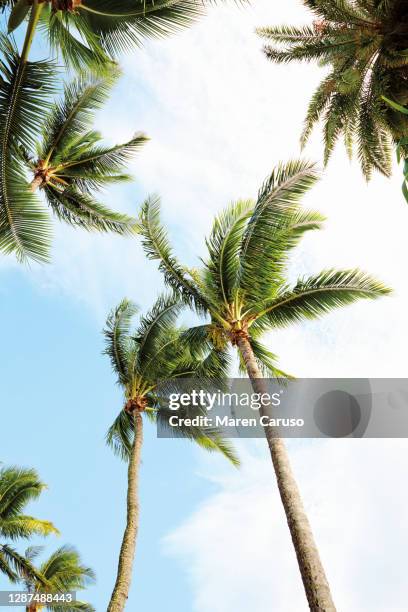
(313, 575)
(36, 183)
(127, 552)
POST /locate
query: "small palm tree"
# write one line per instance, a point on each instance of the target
(67, 165)
(62, 572)
(153, 353)
(244, 291)
(18, 487)
(364, 43)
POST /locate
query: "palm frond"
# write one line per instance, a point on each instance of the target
(22, 526)
(266, 360)
(65, 572)
(209, 438)
(121, 27)
(120, 435)
(362, 42)
(97, 163)
(157, 247)
(18, 487)
(154, 327)
(319, 295)
(81, 210)
(275, 227)
(70, 116)
(24, 91)
(76, 53)
(117, 333)
(18, 568)
(223, 247)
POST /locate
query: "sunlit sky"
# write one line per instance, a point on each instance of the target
(212, 538)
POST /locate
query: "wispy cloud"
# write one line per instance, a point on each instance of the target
(236, 546)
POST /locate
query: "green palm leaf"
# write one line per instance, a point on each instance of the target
(19, 487)
(364, 44)
(223, 247)
(24, 90)
(70, 117)
(154, 328)
(62, 572)
(319, 295)
(94, 31)
(275, 227)
(117, 338)
(80, 209)
(157, 247)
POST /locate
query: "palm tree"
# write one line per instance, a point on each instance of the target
(88, 33)
(18, 487)
(142, 358)
(91, 32)
(244, 291)
(364, 44)
(67, 165)
(63, 572)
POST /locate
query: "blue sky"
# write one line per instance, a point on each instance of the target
(219, 117)
(58, 398)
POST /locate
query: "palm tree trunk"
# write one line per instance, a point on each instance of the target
(36, 183)
(313, 575)
(127, 552)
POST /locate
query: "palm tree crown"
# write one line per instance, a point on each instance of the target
(63, 572)
(243, 286)
(91, 32)
(364, 43)
(18, 487)
(68, 165)
(152, 353)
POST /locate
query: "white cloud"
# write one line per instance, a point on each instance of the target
(236, 546)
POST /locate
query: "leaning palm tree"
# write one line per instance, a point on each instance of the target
(64, 574)
(244, 291)
(18, 487)
(141, 359)
(67, 165)
(364, 43)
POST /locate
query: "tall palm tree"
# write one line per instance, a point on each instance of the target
(244, 291)
(364, 44)
(63, 572)
(68, 164)
(142, 358)
(18, 487)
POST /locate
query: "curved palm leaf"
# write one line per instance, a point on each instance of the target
(275, 227)
(24, 90)
(117, 338)
(320, 294)
(63, 572)
(88, 33)
(365, 45)
(157, 247)
(18, 487)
